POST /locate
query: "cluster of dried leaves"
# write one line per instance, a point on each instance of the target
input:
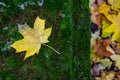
(105, 39)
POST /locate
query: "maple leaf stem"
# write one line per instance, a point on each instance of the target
(51, 48)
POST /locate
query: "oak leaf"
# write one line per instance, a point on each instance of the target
(33, 38)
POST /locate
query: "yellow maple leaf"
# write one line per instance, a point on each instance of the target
(105, 9)
(117, 59)
(33, 37)
(115, 4)
(115, 20)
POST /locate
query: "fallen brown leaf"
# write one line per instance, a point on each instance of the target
(100, 48)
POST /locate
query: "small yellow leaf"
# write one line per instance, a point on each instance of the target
(33, 37)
